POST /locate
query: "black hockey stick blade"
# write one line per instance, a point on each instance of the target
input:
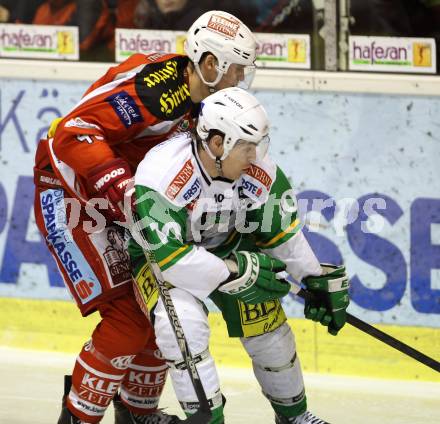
(379, 335)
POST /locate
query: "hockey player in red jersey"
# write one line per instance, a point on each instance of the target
(81, 173)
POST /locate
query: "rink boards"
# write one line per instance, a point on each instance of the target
(362, 153)
(57, 326)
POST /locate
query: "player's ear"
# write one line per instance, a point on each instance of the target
(216, 145)
(208, 63)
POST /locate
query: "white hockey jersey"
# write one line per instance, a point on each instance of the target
(192, 221)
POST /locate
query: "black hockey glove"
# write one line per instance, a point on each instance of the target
(331, 299)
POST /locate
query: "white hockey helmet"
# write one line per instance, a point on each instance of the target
(239, 116)
(227, 38)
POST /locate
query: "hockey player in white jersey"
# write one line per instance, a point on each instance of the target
(221, 218)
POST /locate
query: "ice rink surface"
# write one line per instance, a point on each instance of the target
(32, 383)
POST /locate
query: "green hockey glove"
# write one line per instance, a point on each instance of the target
(330, 301)
(253, 278)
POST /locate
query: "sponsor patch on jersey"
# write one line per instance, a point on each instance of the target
(250, 187)
(126, 108)
(224, 26)
(174, 98)
(80, 123)
(260, 175)
(193, 191)
(110, 243)
(45, 179)
(180, 180)
(84, 280)
(183, 125)
(163, 90)
(261, 318)
(162, 74)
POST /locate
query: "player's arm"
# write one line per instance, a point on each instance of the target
(280, 236)
(81, 144)
(248, 277)
(279, 230)
(105, 117)
(84, 141)
(183, 265)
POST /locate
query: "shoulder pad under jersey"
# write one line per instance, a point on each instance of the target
(256, 183)
(169, 169)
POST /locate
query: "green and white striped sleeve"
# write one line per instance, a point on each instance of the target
(183, 264)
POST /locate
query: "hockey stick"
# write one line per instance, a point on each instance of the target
(376, 333)
(203, 415)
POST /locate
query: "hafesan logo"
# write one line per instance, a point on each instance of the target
(422, 55)
(65, 42)
(180, 43)
(296, 50)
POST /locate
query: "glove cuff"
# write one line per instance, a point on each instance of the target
(243, 274)
(105, 175)
(113, 163)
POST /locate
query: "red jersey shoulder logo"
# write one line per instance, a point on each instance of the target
(126, 108)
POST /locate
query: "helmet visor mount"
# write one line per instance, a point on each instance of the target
(231, 75)
(248, 77)
(236, 75)
(261, 147)
(251, 150)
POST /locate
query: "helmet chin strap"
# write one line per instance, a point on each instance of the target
(211, 85)
(218, 166)
(218, 160)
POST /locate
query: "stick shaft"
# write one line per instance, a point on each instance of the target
(183, 346)
(393, 342)
(379, 335)
(203, 414)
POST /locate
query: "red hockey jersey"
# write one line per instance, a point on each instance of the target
(134, 106)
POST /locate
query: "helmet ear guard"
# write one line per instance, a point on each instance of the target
(239, 116)
(224, 36)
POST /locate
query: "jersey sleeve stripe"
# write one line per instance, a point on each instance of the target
(292, 228)
(169, 258)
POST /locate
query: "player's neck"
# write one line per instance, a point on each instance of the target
(198, 90)
(208, 163)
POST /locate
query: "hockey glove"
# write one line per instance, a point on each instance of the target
(253, 278)
(330, 301)
(110, 181)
